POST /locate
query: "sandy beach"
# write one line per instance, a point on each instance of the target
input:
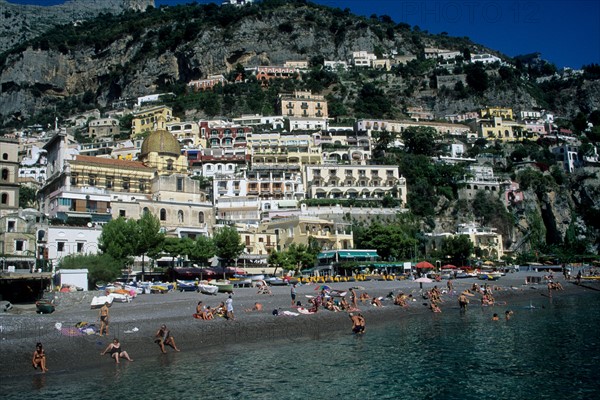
(136, 323)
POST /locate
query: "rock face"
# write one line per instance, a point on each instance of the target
(19, 23)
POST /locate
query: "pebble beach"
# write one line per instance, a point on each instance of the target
(136, 323)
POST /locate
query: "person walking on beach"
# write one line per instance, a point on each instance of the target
(293, 294)
(450, 286)
(39, 358)
(104, 319)
(163, 337)
(116, 351)
(229, 308)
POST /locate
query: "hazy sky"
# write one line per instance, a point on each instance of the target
(567, 33)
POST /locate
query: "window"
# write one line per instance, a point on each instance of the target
(142, 185)
(163, 214)
(60, 246)
(4, 198)
(146, 211)
(80, 247)
(110, 182)
(5, 156)
(92, 180)
(5, 174)
(11, 226)
(74, 179)
(122, 213)
(19, 245)
(180, 216)
(201, 217)
(180, 184)
(169, 165)
(126, 183)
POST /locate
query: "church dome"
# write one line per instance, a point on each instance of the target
(161, 142)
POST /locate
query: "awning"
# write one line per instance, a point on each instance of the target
(349, 254)
(287, 203)
(79, 215)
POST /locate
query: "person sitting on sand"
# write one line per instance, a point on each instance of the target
(344, 304)
(39, 358)
(358, 323)
(163, 337)
(364, 297)
(331, 306)
(116, 351)
(376, 302)
(257, 307)
(220, 310)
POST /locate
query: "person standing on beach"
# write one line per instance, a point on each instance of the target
(104, 319)
(116, 351)
(463, 301)
(354, 299)
(229, 308)
(450, 286)
(163, 337)
(293, 294)
(39, 358)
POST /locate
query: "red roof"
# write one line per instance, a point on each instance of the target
(111, 162)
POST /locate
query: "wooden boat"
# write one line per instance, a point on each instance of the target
(223, 286)
(207, 289)
(99, 301)
(489, 276)
(120, 298)
(44, 306)
(256, 278)
(186, 286)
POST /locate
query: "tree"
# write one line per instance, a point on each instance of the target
(202, 249)
(458, 249)
(228, 243)
(115, 240)
(27, 196)
(372, 102)
(420, 140)
(147, 236)
(300, 256)
(279, 259)
(101, 267)
(477, 78)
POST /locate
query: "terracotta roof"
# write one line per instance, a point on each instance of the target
(110, 162)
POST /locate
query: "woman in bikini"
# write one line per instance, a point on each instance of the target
(116, 351)
(39, 358)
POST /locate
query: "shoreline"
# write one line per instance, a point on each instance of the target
(136, 323)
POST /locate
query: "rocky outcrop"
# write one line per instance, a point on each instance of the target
(19, 23)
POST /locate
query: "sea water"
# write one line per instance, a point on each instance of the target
(550, 348)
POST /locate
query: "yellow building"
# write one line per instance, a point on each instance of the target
(303, 104)
(146, 119)
(299, 229)
(491, 112)
(499, 129)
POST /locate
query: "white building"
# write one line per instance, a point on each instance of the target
(336, 65)
(66, 240)
(363, 58)
(485, 58)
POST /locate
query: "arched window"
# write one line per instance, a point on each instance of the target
(146, 211)
(163, 214)
(200, 217)
(180, 216)
(169, 165)
(4, 198)
(5, 156)
(5, 174)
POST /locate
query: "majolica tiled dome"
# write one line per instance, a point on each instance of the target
(161, 142)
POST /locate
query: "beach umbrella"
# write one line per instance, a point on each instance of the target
(323, 287)
(423, 280)
(424, 265)
(449, 266)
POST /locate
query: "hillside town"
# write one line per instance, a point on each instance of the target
(257, 173)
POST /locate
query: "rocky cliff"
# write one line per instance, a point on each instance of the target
(19, 23)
